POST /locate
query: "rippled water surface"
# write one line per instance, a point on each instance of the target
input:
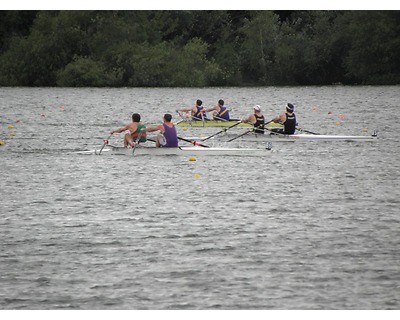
(313, 225)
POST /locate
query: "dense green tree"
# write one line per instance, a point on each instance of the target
(258, 47)
(198, 48)
(305, 47)
(83, 72)
(373, 46)
(14, 23)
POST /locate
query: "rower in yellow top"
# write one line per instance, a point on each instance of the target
(256, 119)
(135, 134)
(197, 111)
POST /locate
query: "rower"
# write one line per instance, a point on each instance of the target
(256, 119)
(197, 111)
(220, 111)
(168, 136)
(135, 135)
(288, 119)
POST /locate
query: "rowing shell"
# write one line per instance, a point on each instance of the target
(221, 123)
(253, 137)
(182, 151)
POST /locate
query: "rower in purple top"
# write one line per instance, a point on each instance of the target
(168, 136)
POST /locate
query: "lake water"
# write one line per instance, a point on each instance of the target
(313, 225)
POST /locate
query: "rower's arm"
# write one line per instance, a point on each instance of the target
(119, 130)
(250, 119)
(185, 109)
(211, 109)
(279, 119)
(154, 128)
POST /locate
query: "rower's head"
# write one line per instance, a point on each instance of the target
(136, 117)
(199, 102)
(167, 117)
(290, 108)
(221, 102)
(257, 108)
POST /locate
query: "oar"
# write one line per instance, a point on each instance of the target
(136, 142)
(240, 135)
(268, 122)
(193, 142)
(105, 142)
(300, 129)
(220, 119)
(180, 114)
(223, 130)
(246, 132)
(265, 128)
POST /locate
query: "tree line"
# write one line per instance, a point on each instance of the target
(198, 48)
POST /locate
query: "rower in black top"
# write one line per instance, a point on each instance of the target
(288, 119)
(257, 119)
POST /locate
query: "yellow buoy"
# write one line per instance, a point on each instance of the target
(192, 158)
(12, 134)
(364, 130)
(10, 126)
(197, 176)
(184, 129)
(337, 123)
(2, 143)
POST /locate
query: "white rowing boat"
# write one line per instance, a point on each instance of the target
(253, 137)
(142, 150)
